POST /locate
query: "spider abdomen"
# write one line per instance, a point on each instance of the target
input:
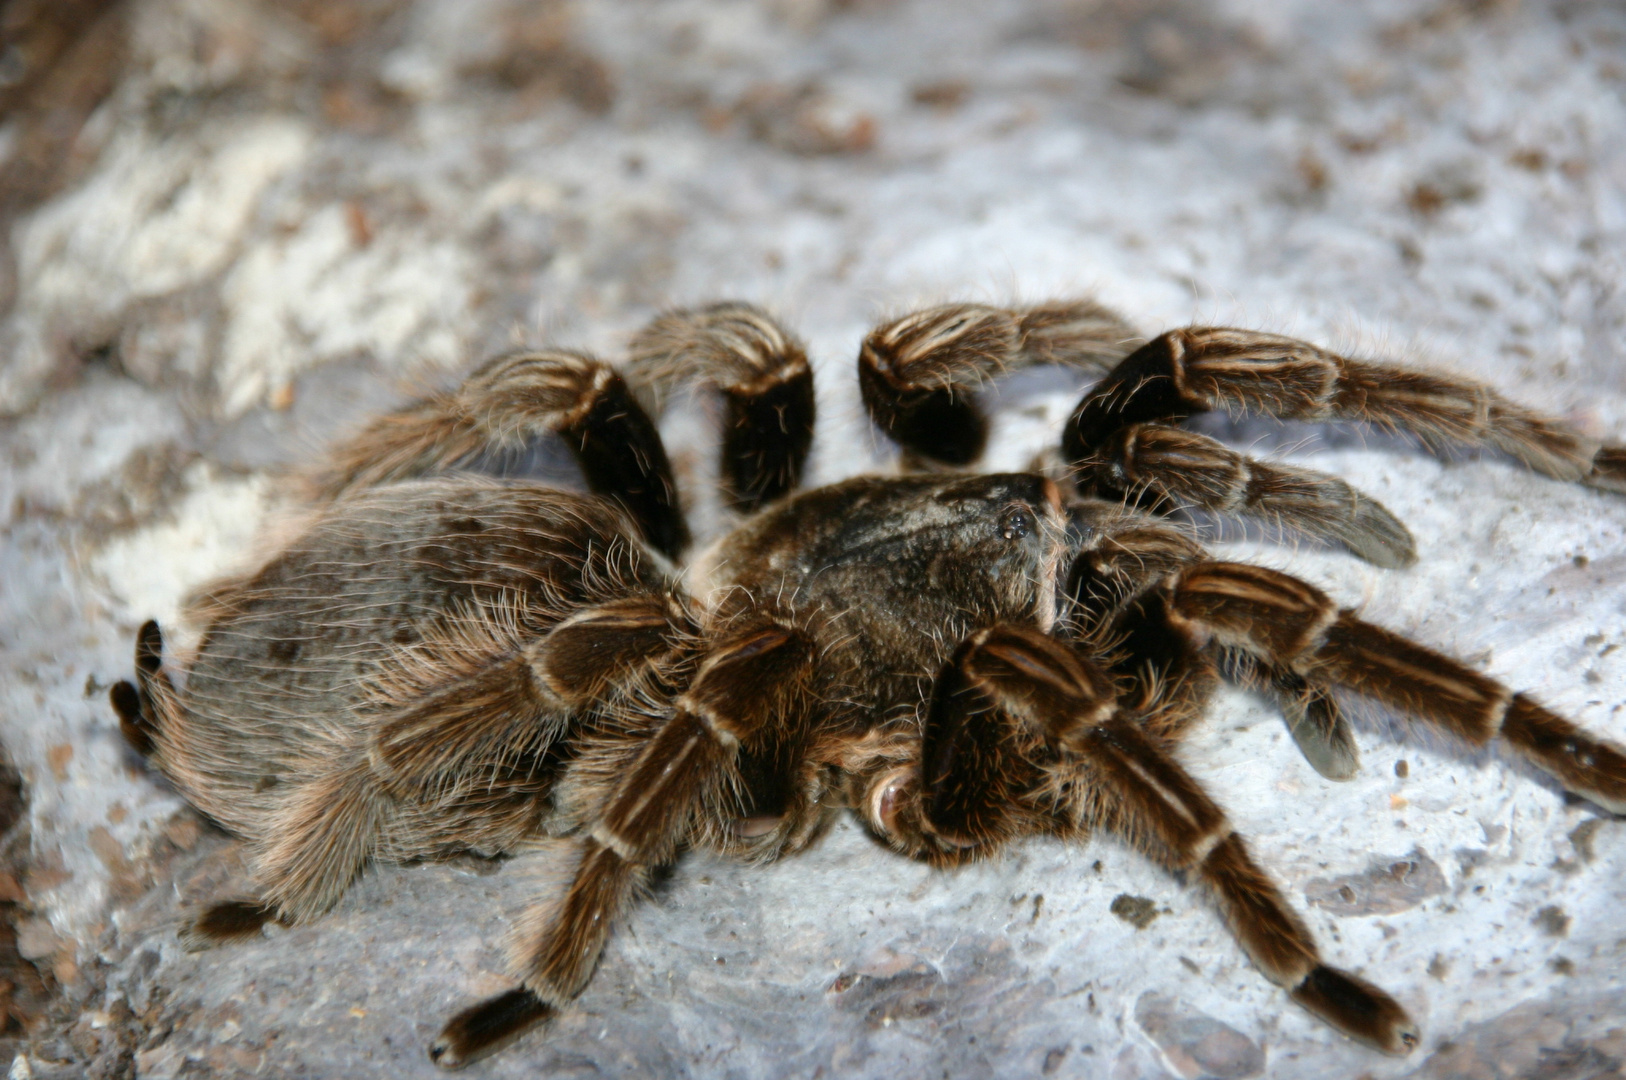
(392, 592)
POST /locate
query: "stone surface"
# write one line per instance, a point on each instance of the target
(279, 216)
(1384, 888)
(1193, 1044)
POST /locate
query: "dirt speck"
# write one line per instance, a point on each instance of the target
(1582, 836)
(1137, 911)
(59, 756)
(1552, 920)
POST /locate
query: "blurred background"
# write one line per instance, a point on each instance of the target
(231, 228)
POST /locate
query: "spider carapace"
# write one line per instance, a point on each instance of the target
(448, 662)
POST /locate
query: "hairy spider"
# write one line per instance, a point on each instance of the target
(447, 662)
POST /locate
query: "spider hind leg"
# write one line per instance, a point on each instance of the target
(752, 679)
(487, 1027)
(229, 920)
(142, 705)
(1158, 805)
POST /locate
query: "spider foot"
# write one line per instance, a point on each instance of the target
(488, 1026)
(232, 920)
(1358, 1009)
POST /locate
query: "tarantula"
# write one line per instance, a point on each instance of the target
(449, 662)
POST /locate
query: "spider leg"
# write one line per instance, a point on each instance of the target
(1166, 464)
(503, 405)
(766, 384)
(1157, 804)
(139, 704)
(449, 731)
(1201, 368)
(456, 720)
(1289, 623)
(1314, 718)
(1107, 585)
(1008, 680)
(917, 374)
(320, 838)
(229, 921)
(751, 679)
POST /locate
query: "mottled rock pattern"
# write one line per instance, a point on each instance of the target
(1384, 888)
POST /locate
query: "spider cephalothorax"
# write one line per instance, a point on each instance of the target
(447, 662)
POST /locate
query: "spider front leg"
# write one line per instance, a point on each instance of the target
(1166, 467)
(1288, 623)
(1119, 440)
(919, 374)
(503, 405)
(766, 384)
(754, 678)
(1022, 727)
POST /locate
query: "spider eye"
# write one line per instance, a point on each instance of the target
(1016, 523)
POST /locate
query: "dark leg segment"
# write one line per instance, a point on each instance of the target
(766, 438)
(1609, 469)
(621, 455)
(1007, 690)
(767, 388)
(918, 374)
(232, 920)
(487, 1027)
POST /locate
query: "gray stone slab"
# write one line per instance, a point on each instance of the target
(286, 215)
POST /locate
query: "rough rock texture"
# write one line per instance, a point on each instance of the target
(233, 227)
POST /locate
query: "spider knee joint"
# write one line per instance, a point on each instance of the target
(1261, 611)
(1038, 680)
